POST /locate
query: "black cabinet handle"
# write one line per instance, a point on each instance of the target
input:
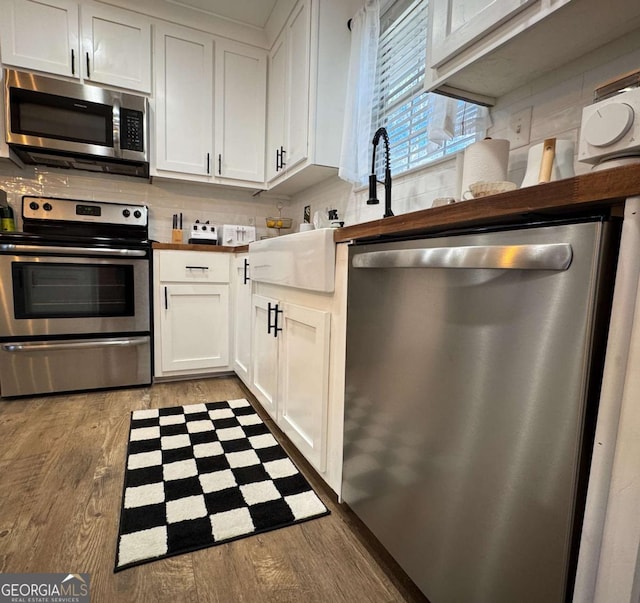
(88, 70)
(166, 299)
(276, 328)
(219, 163)
(245, 276)
(277, 160)
(282, 154)
(197, 267)
(269, 325)
(73, 62)
(208, 162)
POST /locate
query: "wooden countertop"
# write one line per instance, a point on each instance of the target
(576, 195)
(192, 247)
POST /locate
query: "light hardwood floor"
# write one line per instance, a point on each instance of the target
(61, 471)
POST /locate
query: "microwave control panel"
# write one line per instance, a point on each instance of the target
(131, 130)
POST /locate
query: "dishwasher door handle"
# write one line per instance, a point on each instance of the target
(550, 256)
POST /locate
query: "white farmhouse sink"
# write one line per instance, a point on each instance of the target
(305, 260)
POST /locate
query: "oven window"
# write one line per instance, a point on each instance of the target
(72, 290)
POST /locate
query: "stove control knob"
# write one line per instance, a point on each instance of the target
(47, 207)
(126, 213)
(34, 206)
(137, 213)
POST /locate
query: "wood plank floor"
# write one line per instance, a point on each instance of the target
(61, 472)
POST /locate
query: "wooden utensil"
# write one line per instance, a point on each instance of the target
(548, 155)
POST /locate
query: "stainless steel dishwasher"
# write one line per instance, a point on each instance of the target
(472, 373)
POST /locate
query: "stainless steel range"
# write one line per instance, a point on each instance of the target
(74, 302)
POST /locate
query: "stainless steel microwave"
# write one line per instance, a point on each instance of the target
(69, 125)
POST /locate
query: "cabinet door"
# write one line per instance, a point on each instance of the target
(117, 48)
(264, 354)
(40, 35)
(456, 24)
(298, 80)
(304, 381)
(240, 94)
(242, 318)
(276, 107)
(183, 70)
(194, 327)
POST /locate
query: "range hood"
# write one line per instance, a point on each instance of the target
(22, 156)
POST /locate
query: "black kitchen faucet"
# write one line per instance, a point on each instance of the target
(373, 180)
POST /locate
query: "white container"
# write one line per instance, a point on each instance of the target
(562, 166)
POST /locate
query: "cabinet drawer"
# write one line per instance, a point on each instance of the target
(193, 267)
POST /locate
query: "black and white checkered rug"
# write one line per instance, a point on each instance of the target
(204, 474)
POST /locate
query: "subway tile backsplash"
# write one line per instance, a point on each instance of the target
(164, 198)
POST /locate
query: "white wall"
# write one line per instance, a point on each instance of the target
(556, 100)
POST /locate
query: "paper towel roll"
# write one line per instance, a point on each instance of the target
(486, 160)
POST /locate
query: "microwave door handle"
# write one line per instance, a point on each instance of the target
(116, 128)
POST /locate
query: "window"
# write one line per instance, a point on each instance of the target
(400, 103)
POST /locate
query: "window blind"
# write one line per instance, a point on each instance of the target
(400, 103)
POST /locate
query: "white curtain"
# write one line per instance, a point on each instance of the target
(356, 133)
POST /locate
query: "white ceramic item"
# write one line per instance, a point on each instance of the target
(562, 162)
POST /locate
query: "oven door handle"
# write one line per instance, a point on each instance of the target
(93, 251)
(73, 345)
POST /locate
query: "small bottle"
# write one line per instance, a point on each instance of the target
(8, 223)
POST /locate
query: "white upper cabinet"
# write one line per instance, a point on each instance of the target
(40, 35)
(116, 48)
(458, 23)
(298, 33)
(208, 130)
(306, 94)
(45, 36)
(183, 116)
(276, 108)
(482, 49)
(240, 95)
(288, 102)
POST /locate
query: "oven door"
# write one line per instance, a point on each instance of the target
(52, 296)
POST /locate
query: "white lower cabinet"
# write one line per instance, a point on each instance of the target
(191, 298)
(193, 327)
(264, 354)
(241, 291)
(291, 347)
